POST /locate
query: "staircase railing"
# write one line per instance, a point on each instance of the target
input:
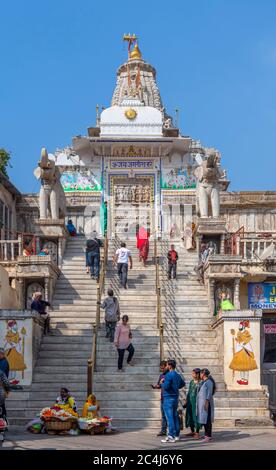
(92, 361)
(160, 326)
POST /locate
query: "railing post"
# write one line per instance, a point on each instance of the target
(158, 307)
(5, 251)
(20, 245)
(161, 342)
(238, 245)
(12, 251)
(156, 272)
(98, 312)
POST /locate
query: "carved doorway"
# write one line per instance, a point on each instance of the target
(132, 204)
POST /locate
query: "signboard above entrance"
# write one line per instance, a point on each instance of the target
(142, 164)
(262, 295)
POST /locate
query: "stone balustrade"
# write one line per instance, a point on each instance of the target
(253, 247)
(10, 249)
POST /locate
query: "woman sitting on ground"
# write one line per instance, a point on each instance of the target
(91, 408)
(71, 228)
(66, 398)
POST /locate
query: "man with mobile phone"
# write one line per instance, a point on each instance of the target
(163, 370)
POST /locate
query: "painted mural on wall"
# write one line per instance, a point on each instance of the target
(16, 339)
(82, 180)
(243, 360)
(178, 178)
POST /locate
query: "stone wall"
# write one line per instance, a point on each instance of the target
(8, 201)
(8, 294)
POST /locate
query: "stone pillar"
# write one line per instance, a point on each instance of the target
(212, 284)
(21, 294)
(198, 243)
(222, 244)
(60, 251)
(237, 282)
(47, 285)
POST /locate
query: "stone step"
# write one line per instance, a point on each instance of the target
(195, 321)
(239, 413)
(75, 296)
(62, 292)
(81, 305)
(188, 347)
(188, 332)
(61, 326)
(103, 361)
(84, 354)
(70, 332)
(42, 376)
(67, 348)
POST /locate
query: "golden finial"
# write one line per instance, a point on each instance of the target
(131, 39)
(136, 53)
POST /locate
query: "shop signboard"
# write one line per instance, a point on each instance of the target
(262, 295)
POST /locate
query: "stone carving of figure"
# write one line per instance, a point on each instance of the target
(129, 194)
(223, 293)
(52, 201)
(140, 193)
(208, 175)
(147, 190)
(168, 122)
(133, 192)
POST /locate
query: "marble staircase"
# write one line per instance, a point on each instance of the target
(127, 396)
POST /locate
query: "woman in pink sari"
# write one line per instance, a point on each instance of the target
(143, 244)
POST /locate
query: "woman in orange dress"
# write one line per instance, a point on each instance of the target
(143, 244)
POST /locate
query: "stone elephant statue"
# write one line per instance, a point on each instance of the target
(208, 176)
(52, 201)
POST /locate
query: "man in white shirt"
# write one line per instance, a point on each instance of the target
(121, 257)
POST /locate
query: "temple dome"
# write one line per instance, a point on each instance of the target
(131, 118)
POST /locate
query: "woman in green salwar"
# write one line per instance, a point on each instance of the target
(190, 402)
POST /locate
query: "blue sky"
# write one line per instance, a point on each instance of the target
(215, 61)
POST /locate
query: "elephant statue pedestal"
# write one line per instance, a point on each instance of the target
(53, 230)
(211, 229)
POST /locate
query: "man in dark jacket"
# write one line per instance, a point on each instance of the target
(39, 306)
(172, 262)
(93, 255)
(171, 385)
(164, 370)
(4, 365)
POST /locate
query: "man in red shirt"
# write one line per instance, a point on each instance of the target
(172, 262)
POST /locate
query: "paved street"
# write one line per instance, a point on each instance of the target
(230, 439)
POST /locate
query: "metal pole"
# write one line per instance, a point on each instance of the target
(89, 376)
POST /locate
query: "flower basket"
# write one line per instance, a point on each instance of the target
(58, 426)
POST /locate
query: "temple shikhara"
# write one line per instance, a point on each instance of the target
(134, 168)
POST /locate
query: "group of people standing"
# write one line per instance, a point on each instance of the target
(199, 402)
